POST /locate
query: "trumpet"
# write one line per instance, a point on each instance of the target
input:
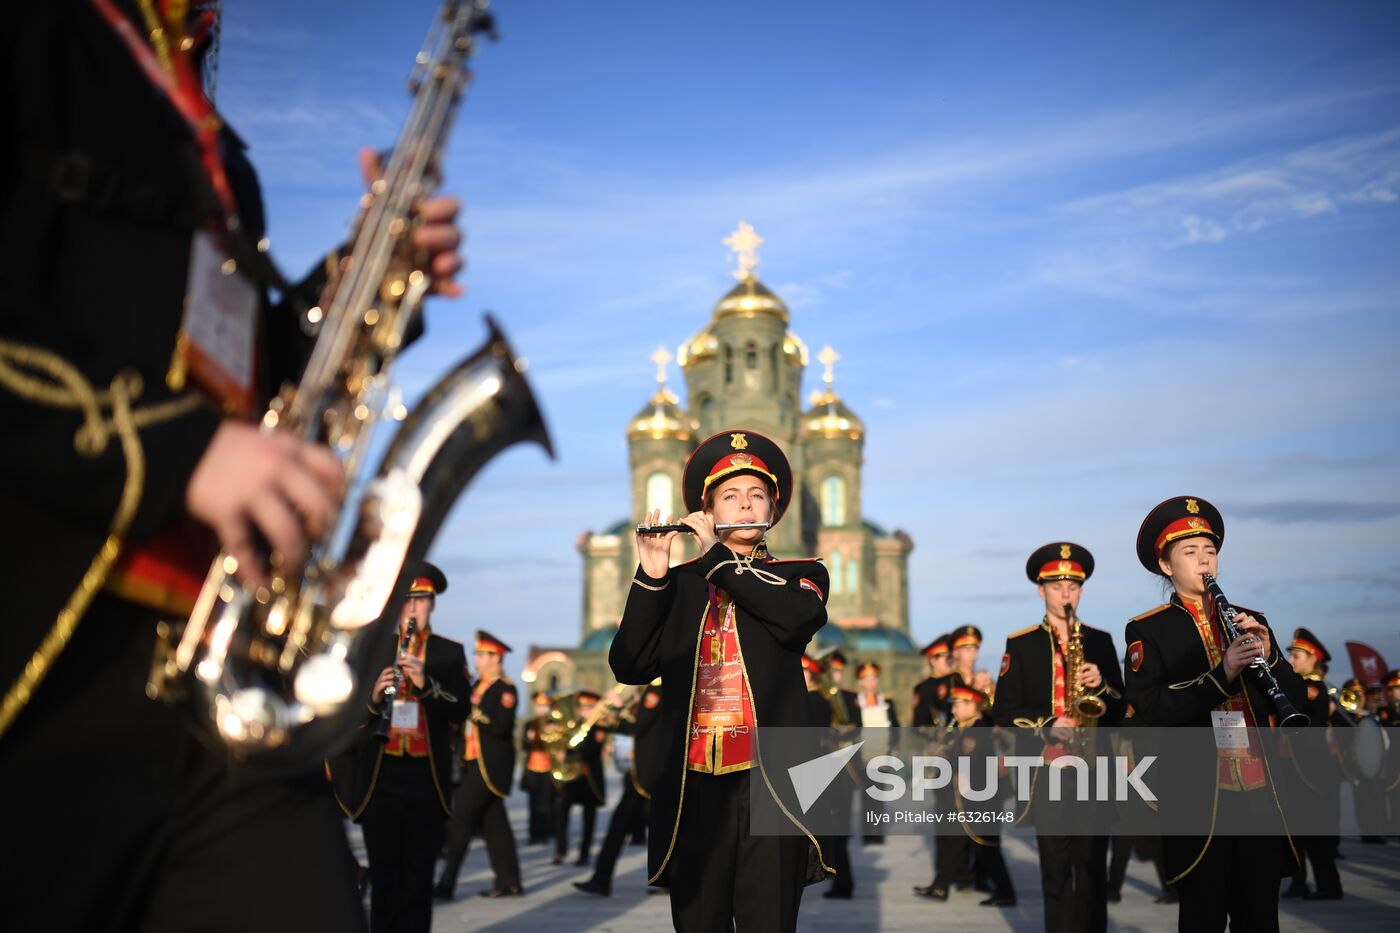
(723, 526)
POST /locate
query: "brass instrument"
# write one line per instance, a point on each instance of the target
(1350, 701)
(832, 694)
(282, 672)
(1087, 707)
(564, 731)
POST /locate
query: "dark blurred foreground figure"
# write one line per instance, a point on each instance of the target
(121, 191)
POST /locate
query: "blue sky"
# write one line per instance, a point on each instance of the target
(1075, 261)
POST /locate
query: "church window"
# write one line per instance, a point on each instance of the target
(707, 409)
(773, 364)
(728, 364)
(853, 576)
(660, 494)
(837, 580)
(833, 501)
(751, 355)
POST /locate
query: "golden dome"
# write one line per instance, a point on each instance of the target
(661, 418)
(702, 345)
(750, 298)
(829, 417)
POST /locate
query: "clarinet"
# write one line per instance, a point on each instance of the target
(1288, 717)
(386, 712)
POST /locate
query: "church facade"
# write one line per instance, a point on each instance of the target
(743, 370)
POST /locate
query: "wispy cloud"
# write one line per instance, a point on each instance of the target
(1313, 512)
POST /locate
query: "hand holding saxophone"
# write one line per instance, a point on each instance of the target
(435, 233)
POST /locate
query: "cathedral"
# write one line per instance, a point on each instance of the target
(743, 369)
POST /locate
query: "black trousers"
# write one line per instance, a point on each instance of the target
(1236, 880)
(1074, 881)
(475, 810)
(539, 787)
(723, 879)
(117, 818)
(403, 826)
(623, 823)
(578, 792)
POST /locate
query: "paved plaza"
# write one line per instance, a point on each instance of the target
(883, 899)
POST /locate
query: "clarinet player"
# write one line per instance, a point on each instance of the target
(1184, 670)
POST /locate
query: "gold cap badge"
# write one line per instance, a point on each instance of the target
(738, 441)
(1064, 550)
(1192, 506)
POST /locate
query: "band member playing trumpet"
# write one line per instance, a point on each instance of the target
(1046, 696)
(1183, 670)
(727, 629)
(488, 756)
(398, 789)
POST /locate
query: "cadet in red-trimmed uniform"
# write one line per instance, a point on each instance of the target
(586, 789)
(1318, 771)
(1034, 692)
(397, 790)
(1181, 669)
(726, 634)
(536, 779)
(488, 754)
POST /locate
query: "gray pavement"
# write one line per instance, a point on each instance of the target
(883, 899)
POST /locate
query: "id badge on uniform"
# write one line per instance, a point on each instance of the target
(719, 698)
(219, 329)
(1231, 735)
(405, 715)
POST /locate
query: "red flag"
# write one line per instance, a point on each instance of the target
(1366, 663)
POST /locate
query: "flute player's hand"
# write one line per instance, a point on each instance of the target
(654, 551)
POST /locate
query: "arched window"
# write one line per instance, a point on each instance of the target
(707, 409)
(837, 580)
(853, 577)
(833, 501)
(751, 355)
(773, 364)
(728, 364)
(661, 494)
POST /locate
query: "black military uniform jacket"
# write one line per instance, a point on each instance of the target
(446, 703)
(779, 605)
(1170, 682)
(931, 699)
(648, 750)
(98, 207)
(590, 753)
(494, 718)
(1025, 694)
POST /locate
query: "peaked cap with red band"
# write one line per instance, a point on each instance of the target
(1304, 640)
(1392, 678)
(868, 667)
(541, 696)
(964, 635)
(936, 647)
(964, 692)
(425, 579)
(485, 641)
(736, 453)
(810, 663)
(1062, 560)
(1177, 518)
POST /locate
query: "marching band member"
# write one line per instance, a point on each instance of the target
(398, 790)
(1036, 694)
(535, 778)
(1183, 671)
(728, 631)
(587, 788)
(1317, 771)
(488, 755)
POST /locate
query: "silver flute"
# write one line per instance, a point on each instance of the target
(724, 526)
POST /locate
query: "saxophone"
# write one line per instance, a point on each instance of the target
(1087, 707)
(281, 673)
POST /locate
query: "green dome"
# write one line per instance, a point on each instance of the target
(879, 638)
(598, 640)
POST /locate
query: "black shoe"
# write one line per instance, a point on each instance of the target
(512, 890)
(1113, 897)
(840, 895)
(1323, 895)
(963, 886)
(936, 894)
(996, 901)
(442, 892)
(594, 886)
(1295, 890)
(1166, 897)
(923, 889)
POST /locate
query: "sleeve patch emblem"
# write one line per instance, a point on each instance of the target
(809, 585)
(508, 699)
(651, 700)
(1135, 656)
(1005, 664)
(1312, 692)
